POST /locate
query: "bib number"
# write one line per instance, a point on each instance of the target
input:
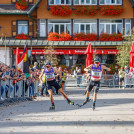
(49, 76)
(96, 73)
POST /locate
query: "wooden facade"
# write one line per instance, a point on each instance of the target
(40, 10)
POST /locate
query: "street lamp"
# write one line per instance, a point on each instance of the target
(31, 58)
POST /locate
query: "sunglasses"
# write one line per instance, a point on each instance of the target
(48, 66)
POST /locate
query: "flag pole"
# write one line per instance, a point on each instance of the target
(31, 52)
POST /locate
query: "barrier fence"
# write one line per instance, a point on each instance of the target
(106, 80)
(17, 91)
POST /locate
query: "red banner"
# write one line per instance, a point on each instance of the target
(77, 51)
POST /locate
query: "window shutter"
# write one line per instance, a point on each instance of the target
(14, 28)
(38, 28)
(30, 28)
(132, 23)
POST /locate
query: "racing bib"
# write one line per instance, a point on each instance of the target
(96, 74)
(49, 76)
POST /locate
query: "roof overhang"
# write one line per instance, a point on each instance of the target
(9, 9)
(132, 2)
(42, 43)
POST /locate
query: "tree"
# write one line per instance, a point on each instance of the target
(123, 58)
(50, 55)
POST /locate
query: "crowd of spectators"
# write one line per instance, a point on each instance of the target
(126, 77)
(9, 78)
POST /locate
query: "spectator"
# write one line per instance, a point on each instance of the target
(57, 76)
(130, 77)
(78, 74)
(126, 70)
(126, 76)
(35, 65)
(115, 79)
(1, 87)
(121, 77)
(31, 82)
(42, 84)
(64, 76)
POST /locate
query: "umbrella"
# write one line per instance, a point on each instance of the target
(89, 52)
(132, 56)
(17, 56)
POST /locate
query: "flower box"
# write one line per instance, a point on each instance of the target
(65, 37)
(60, 10)
(53, 36)
(21, 4)
(86, 10)
(85, 37)
(110, 37)
(111, 10)
(59, 37)
(22, 37)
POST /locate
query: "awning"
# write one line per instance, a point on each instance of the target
(70, 51)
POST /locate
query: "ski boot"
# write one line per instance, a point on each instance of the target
(93, 106)
(52, 108)
(70, 102)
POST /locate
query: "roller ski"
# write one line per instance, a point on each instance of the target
(93, 107)
(52, 108)
(85, 102)
(72, 103)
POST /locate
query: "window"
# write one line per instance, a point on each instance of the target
(59, 2)
(127, 27)
(42, 28)
(59, 26)
(87, 26)
(85, 2)
(110, 2)
(22, 27)
(110, 26)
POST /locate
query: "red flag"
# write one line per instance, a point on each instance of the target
(132, 56)
(21, 60)
(17, 55)
(89, 52)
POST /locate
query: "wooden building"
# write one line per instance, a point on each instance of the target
(37, 21)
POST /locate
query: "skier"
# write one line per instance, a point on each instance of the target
(96, 72)
(51, 81)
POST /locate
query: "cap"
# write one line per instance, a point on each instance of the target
(96, 59)
(48, 64)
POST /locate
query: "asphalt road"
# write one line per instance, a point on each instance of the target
(114, 114)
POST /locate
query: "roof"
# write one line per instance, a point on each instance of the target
(10, 9)
(132, 1)
(41, 43)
